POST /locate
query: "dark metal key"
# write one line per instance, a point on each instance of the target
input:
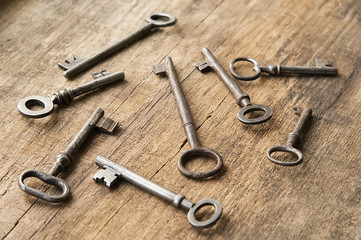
(293, 140)
(77, 65)
(242, 98)
(188, 124)
(66, 96)
(321, 68)
(112, 172)
(96, 121)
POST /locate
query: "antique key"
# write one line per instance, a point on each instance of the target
(322, 68)
(66, 96)
(111, 172)
(77, 65)
(242, 98)
(293, 139)
(189, 128)
(96, 121)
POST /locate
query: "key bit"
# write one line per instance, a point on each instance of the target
(201, 66)
(159, 68)
(102, 73)
(70, 63)
(107, 125)
(322, 63)
(107, 176)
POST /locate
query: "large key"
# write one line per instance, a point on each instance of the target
(321, 68)
(96, 121)
(242, 98)
(77, 65)
(65, 96)
(111, 172)
(189, 127)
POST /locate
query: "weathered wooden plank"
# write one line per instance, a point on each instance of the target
(318, 199)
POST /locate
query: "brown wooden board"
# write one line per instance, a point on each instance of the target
(318, 199)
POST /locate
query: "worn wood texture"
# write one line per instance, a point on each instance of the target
(318, 199)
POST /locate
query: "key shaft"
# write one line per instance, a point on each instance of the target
(67, 95)
(285, 70)
(86, 63)
(182, 106)
(294, 137)
(241, 97)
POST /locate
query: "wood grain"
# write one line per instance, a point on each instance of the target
(318, 199)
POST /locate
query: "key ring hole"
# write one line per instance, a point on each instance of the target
(36, 106)
(254, 110)
(191, 154)
(294, 157)
(256, 69)
(161, 19)
(203, 204)
(47, 179)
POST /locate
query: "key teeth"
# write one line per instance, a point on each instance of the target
(107, 176)
(69, 63)
(322, 63)
(202, 66)
(107, 125)
(102, 73)
(159, 68)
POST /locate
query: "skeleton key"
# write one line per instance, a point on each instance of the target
(322, 68)
(112, 172)
(189, 128)
(96, 121)
(77, 65)
(65, 96)
(242, 98)
(293, 139)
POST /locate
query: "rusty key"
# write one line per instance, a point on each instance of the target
(96, 121)
(189, 127)
(293, 140)
(77, 65)
(321, 68)
(66, 96)
(112, 172)
(242, 98)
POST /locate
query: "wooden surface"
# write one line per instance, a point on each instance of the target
(318, 199)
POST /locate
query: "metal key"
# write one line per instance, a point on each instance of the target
(65, 96)
(77, 65)
(293, 139)
(112, 172)
(322, 68)
(189, 127)
(96, 121)
(242, 98)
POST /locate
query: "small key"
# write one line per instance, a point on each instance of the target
(293, 139)
(322, 68)
(66, 96)
(189, 127)
(77, 65)
(112, 172)
(242, 98)
(96, 121)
